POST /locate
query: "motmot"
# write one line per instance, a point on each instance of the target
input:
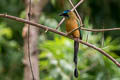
(72, 22)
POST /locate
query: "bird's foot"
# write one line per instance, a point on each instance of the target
(67, 34)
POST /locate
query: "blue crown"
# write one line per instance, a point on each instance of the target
(66, 11)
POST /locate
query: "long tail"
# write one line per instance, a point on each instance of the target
(76, 46)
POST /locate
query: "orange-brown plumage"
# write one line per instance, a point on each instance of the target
(71, 23)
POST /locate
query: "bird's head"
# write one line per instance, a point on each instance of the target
(68, 14)
(65, 13)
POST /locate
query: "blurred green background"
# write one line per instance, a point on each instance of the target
(56, 52)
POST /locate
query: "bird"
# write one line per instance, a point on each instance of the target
(72, 22)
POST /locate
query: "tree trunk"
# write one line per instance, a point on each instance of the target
(37, 6)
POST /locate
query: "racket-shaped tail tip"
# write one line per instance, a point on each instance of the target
(76, 73)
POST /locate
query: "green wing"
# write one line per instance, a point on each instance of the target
(79, 29)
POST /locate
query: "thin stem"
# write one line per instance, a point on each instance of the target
(87, 37)
(60, 23)
(71, 10)
(28, 38)
(94, 30)
(76, 12)
(102, 40)
(74, 30)
(81, 1)
(100, 30)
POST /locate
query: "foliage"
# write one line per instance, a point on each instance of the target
(56, 59)
(10, 55)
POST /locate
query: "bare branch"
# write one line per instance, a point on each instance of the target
(28, 38)
(94, 30)
(74, 30)
(100, 30)
(62, 34)
(77, 5)
(60, 23)
(71, 10)
(76, 12)
(102, 40)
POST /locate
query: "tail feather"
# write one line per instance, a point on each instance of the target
(76, 46)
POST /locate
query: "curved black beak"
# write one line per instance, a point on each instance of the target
(64, 14)
(61, 14)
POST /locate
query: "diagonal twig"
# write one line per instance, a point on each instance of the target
(76, 12)
(69, 33)
(77, 5)
(62, 34)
